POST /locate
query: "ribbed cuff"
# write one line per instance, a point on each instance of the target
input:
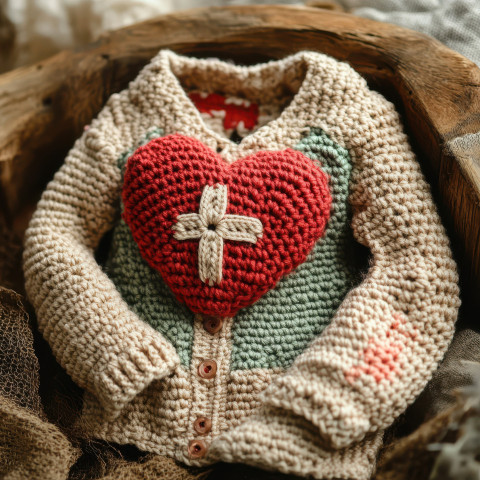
(340, 420)
(281, 441)
(130, 372)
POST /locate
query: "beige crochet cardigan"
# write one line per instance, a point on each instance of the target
(324, 415)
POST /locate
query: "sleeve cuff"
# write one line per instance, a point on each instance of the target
(333, 409)
(281, 441)
(130, 372)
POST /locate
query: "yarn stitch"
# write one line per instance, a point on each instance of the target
(304, 302)
(211, 225)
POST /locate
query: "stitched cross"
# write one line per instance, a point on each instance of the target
(211, 225)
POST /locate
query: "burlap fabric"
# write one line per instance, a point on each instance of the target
(30, 446)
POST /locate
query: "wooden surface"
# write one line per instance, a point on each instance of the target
(44, 107)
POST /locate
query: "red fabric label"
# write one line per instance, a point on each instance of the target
(234, 114)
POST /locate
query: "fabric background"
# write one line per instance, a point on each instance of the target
(456, 23)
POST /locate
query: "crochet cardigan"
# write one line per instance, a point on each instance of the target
(230, 321)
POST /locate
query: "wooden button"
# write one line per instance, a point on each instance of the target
(202, 425)
(212, 324)
(207, 369)
(196, 449)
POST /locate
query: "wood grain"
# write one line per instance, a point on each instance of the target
(45, 106)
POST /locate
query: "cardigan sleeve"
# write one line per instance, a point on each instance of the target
(94, 335)
(390, 332)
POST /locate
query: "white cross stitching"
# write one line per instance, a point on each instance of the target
(212, 226)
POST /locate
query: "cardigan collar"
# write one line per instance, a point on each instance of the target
(294, 76)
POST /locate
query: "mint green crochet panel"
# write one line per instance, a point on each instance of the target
(278, 327)
(143, 288)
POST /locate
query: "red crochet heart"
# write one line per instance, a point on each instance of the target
(285, 190)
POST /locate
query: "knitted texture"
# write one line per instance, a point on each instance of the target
(30, 446)
(276, 440)
(348, 381)
(304, 302)
(140, 286)
(293, 306)
(357, 377)
(280, 198)
(145, 292)
(235, 117)
(19, 376)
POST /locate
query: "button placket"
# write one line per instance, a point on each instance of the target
(209, 370)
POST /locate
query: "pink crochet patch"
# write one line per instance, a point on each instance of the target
(381, 359)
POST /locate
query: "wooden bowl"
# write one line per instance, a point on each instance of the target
(44, 107)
